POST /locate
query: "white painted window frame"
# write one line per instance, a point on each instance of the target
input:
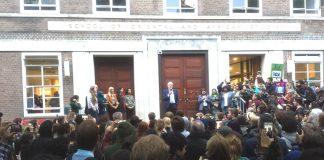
(244, 14)
(181, 14)
(110, 13)
(57, 11)
(305, 59)
(58, 54)
(305, 14)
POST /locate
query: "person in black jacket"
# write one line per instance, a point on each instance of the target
(196, 146)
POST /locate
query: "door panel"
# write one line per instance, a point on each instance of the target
(114, 71)
(188, 74)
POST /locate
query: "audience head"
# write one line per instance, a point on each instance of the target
(235, 146)
(150, 147)
(218, 148)
(45, 129)
(117, 116)
(168, 114)
(151, 115)
(134, 120)
(177, 143)
(167, 122)
(197, 128)
(87, 135)
(177, 124)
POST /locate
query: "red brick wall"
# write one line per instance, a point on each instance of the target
(276, 7)
(9, 6)
(76, 6)
(213, 8)
(11, 95)
(146, 7)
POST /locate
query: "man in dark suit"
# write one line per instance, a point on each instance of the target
(170, 98)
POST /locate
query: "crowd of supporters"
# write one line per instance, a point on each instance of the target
(275, 126)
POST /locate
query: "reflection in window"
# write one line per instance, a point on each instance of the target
(40, 5)
(306, 6)
(310, 72)
(180, 6)
(111, 5)
(246, 6)
(42, 84)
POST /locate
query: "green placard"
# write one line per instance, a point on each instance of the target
(276, 71)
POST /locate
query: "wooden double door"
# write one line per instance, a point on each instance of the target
(189, 75)
(117, 72)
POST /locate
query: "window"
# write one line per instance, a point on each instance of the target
(308, 67)
(118, 6)
(246, 6)
(303, 7)
(40, 5)
(42, 85)
(180, 6)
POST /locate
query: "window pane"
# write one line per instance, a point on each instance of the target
(34, 81)
(301, 67)
(238, 3)
(119, 2)
(310, 4)
(119, 9)
(187, 3)
(314, 67)
(52, 102)
(253, 3)
(48, 8)
(52, 92)
(314, 75)
(299, 11)
(33, 70)
(298, 4)
(30, 102)
(51, 80)
(102, 2)
(41, 60)
(235, 69)
(172, 3)
(238, 10)
(173, 10)
(38, 100)
(29, 92)
(48, 2)
(301, 76)
(191, 10)
(252, 11)
(31, 1)
(51, 70)
(312, 11)
(103, 9)
(314, 83)
(31, 8)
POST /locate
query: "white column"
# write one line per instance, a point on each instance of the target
(83, 74)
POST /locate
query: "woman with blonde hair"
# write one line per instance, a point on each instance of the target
(235, 147)
(112, 101)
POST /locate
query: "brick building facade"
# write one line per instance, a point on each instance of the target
(70, 37)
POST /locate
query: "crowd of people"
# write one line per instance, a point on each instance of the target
(275, 126)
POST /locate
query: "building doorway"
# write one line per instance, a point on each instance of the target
(244, 66)
(117, 72)
(188, 72)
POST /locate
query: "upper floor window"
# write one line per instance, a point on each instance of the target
(246, 6)
(40, 5)
(180, 6)
(302, 7)
(120, 6)
(42, 84)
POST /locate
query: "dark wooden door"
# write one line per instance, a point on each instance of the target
(188, 74)
(117, 72)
